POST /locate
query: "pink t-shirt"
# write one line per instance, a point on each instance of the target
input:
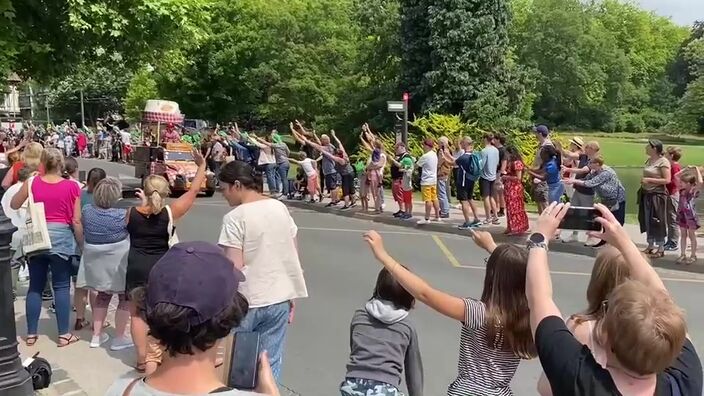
(58, 198)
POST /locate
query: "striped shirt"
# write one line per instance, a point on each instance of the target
(481, 370)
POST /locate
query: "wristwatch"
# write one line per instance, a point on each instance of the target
(537, 240)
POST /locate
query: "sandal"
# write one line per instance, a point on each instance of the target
(656, 255)
(31, 340)
(681, 260)
(691, 260)
(80, 324)
(71, 339)
(140, 367)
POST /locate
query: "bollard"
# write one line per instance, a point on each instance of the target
(14, 379)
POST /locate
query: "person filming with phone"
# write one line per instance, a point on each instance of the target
(189, 311)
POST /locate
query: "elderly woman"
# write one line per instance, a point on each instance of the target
(104, 262)
(652, 198)
(607, 186)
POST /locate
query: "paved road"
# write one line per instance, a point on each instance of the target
(340, 273)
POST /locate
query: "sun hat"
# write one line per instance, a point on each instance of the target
(577, 141)
(195, 275)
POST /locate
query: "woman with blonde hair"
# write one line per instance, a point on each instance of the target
(31, 157)
(610, 270)
(61, 203)
(151, 227)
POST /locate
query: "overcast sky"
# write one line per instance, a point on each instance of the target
(683, 12)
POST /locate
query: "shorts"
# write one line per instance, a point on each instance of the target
(465, 193)
(347, 185)
(126, 150)
(430, 193)
(397, 190)
(540, 192)
(498, 186)
(582, 200)
(366, 387)
(331, 182)
(363, 187)
(486, 187)
(555, 192)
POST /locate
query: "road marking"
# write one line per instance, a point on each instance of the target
(61, 381)
(75, 392)
(359, 231)
(690, 280)
(450, 257)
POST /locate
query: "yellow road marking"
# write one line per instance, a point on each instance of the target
(450, 257)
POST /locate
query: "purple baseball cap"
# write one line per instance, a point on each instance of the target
(542, 130)
(195, 275)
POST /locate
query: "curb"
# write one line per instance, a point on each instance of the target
(667, 262)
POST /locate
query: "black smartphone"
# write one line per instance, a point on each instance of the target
(579, 218)
(244, 361)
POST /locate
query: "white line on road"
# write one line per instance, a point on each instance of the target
(60, 381)
(75, 392)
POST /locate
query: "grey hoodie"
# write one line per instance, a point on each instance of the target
(383, 344)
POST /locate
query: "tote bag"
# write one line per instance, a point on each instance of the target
(173, 238)
(36, 234)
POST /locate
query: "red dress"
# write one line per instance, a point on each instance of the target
(517, 218)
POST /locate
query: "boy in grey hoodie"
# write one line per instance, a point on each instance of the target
(384, 344)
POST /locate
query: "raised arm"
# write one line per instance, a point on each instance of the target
(7, 180)
(538, 281)
(295, 161)
(21, 196)
(181, 206)
(448, 305)
(254, 140)
(365, 144)
(339, 143)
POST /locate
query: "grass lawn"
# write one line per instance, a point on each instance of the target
(624, 149)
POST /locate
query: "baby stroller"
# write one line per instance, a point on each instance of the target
(299, 185)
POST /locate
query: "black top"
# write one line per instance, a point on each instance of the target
(582, 162)
(149, 240)
(395, 170)
(571, 369)
(502, 157)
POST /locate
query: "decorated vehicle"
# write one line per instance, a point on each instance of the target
(174, 161)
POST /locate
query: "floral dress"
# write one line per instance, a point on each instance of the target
(517, 218)
(686, 212)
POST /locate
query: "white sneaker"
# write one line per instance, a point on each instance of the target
(120, 343)
(423, 222)
(97, 341)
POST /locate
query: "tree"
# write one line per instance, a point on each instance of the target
(103, 89)
(690, 114)
(141, 88)
(415, 50)
(268, 62)
(45, 39)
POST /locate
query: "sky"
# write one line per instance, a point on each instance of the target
(683, 12)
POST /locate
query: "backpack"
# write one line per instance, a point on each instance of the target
(475, 166)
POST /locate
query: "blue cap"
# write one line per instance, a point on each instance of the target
(542, 129)
(195, 275)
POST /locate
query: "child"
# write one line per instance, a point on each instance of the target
(300, 185)
(309, 167)
(496, 332)
(384, 344)
(687, 217)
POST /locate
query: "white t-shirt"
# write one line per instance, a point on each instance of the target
(18, 217)
(142, 389)
(429, 172)
(265, 232)
(308, 167)
(126, 138)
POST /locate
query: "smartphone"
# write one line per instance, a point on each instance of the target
(580, 218)
(244, 361)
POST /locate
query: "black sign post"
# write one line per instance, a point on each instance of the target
(400, 107)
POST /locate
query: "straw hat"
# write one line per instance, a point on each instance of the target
(577, 141)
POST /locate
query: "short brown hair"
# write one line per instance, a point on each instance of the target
(644, 327)
(594, 145)
(674, 152)
(599, 160)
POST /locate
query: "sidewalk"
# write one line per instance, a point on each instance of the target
(450, 224)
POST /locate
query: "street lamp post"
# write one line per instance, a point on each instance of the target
(14, 379)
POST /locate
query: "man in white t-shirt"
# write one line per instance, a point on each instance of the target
(259, 236)
(428, 163)
(126, 138)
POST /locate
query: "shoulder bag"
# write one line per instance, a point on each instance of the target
(36, 236)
